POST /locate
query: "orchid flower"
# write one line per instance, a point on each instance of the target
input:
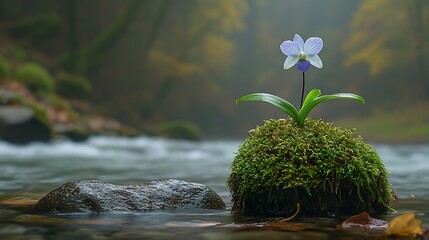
(302, 54)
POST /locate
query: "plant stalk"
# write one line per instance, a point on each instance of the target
(303, 87)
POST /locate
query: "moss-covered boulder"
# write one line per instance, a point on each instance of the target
(36, 77)
(327, 170)
(73, 86)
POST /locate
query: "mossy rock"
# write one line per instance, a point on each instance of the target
(74, 86)
(36, 77)
(179, 130)
(328, 171)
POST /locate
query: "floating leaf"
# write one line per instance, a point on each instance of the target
(363, 221)
(404, 225)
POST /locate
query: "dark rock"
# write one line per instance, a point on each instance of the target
(72, 132)
(22, 125)
(96, 196)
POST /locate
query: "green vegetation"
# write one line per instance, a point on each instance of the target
(179, 130)
(327, 170)
(19, 54)
(73, 86)
(36, 27)
(394, 126)
(41, 115)
(36, 77)
(312, 100)
(128, 55)
(4, 68)
(82, 60)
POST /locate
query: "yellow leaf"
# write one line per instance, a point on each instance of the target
(404, 225)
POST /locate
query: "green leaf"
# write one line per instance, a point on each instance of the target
(311, 96)
(309, 105)
(278, 102)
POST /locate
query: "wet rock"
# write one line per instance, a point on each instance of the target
(72, 132)
(96, 196)
(21, 125)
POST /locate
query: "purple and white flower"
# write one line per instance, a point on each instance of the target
(301, 54)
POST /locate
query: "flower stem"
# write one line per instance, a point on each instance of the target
(303, 87)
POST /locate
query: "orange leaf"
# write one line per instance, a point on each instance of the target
(363, 221)
(404, 225)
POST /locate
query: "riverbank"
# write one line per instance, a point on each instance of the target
(26, 117)
(389, 128)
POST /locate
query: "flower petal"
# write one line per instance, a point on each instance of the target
(290, 61)
(313, 46)
(303, 65)
(290, 48)
(315, 61)
(298, 40)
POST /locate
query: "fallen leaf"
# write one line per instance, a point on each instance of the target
(363, 221)
(404, 225)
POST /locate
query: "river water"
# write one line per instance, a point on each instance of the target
(30, 171)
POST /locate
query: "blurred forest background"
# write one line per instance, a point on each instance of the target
(150, 62)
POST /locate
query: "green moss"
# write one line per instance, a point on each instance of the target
(74, 86)
(4, 68)
(61, 104)
(327, 170)
(40, 114)
(36, 77)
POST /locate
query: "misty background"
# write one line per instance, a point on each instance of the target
(154, 61)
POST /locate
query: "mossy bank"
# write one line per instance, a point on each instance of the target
(326, 170)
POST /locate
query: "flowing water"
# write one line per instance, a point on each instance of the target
(30, 171)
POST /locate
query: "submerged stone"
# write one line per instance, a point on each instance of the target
(316, 169)
(96, 196)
